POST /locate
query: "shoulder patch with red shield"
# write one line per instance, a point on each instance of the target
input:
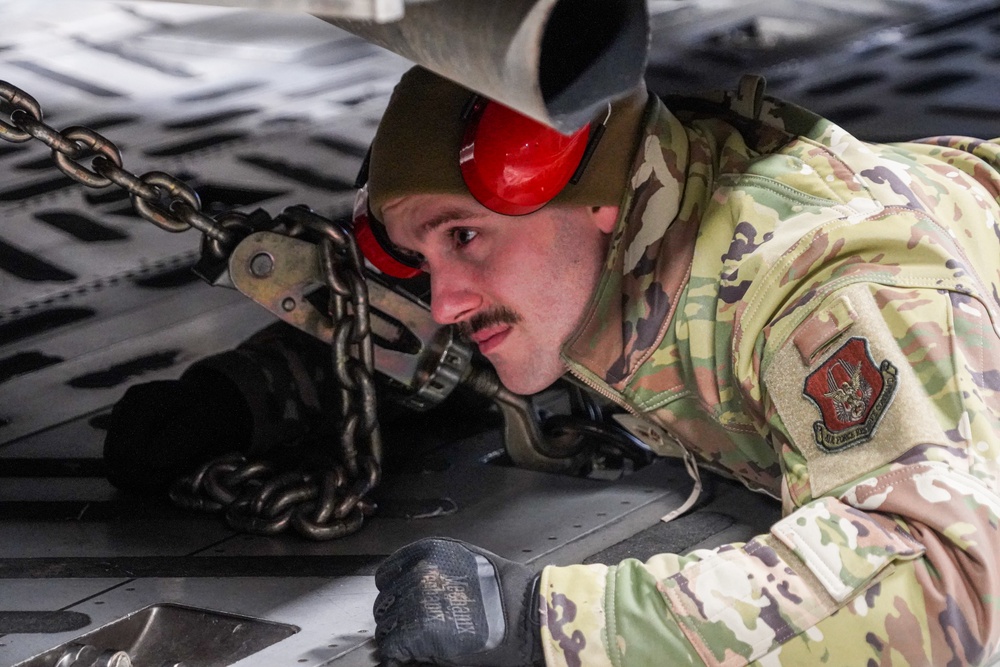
(852, 393)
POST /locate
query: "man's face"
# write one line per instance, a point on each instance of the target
(515, 286)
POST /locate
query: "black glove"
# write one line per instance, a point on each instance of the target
(450, 603)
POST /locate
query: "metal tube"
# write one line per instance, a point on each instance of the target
(558, 61)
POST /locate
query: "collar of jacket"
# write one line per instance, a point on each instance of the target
(630, 305)
(651, 248)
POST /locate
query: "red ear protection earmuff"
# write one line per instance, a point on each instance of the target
(515, 165)
(374, 243)
(511, 164)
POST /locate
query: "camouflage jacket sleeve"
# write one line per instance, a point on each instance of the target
(870, 365)
(899, 567)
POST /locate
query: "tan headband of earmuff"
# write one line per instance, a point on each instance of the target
(416, 147)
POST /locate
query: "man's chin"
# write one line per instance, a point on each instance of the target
(524, 381)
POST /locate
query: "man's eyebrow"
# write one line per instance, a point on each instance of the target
(448, 215)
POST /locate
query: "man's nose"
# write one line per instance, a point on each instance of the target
(453, 297)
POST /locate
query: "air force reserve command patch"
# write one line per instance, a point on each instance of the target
(852, 393)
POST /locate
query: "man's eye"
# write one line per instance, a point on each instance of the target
(462, 236)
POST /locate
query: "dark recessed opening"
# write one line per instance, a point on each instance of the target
(97, 197)
(782, 78)
(11, 149)
(43, 163)
(109, 120)
(844, 84)
(169, 279)
(80, 227)
(940, 51)
(964, 111)
(342, 146)
(933, 83)
(722, 56)
(210, 119)
(23, 363)
(670, 73)
(38, 323)
(119, 373)
(201, 143)
(298, 172)
(854, 112)
(37, 188)
(973, 20)
(82, 85)
(218, 198)
(41, 622)
(29, 267)
(217, 93)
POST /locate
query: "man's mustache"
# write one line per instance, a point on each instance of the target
(487, 318)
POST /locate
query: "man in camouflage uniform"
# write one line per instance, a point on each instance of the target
(814, 315)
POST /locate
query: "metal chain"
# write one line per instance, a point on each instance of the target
(254, 495)
(160, 198)
(319, 505)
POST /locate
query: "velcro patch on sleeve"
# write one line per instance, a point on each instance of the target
(853, 405)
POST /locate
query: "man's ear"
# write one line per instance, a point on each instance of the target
(605, 217)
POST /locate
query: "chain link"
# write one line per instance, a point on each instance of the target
(254, 495)
(97, 143)
(20, 100)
